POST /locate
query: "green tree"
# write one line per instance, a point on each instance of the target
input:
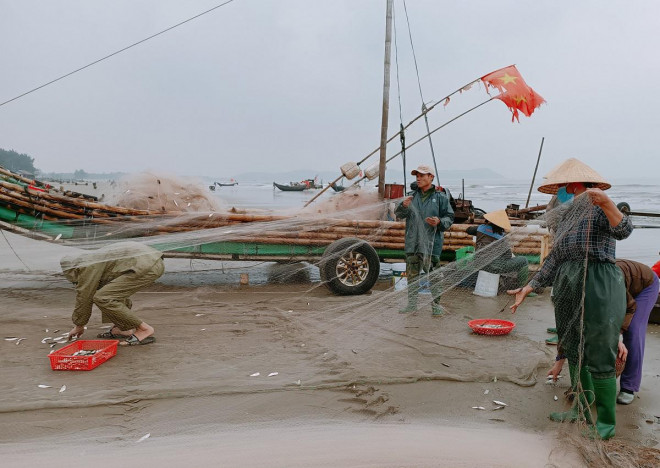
(14, 161)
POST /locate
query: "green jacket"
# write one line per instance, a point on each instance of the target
(421, 238)
(90, 271)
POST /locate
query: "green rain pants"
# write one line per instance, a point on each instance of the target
(113, 298)
(415, 263)
(604, 309)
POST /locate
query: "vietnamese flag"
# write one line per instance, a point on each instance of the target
(515, 93)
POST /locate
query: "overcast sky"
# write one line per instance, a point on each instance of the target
(295, 84)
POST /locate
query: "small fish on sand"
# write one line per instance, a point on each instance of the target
(18, 341)
(478, 407)
(44, 386)
(10, 338)
(272, 374)
(256, 374)
(144, 437)
(199, 315)
(555, 398)
(43, 341)
(498, 408)
(499, 403)
(62, 388)
(486, 392)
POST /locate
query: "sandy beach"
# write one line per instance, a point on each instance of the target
(342, 380)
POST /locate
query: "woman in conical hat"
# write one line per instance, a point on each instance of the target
(492, 235)
(590, 303)
(572, 171)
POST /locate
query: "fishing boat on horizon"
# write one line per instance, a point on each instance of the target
(292, 187)
(231, 183)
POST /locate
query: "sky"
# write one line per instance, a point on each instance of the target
(260, 85)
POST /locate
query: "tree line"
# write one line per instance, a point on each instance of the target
(14, 161)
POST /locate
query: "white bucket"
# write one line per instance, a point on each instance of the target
(399, 276)
(487, 284)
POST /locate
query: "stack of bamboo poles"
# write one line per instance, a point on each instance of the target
(40, 201)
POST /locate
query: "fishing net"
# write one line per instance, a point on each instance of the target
(226, 325)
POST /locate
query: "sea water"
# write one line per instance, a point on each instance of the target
(489, 195)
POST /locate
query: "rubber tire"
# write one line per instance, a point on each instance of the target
(478, 213)
(623, 207)
(328, 266)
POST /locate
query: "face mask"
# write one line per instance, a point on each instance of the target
(563, 196)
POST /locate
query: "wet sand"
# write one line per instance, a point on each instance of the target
(357, 384)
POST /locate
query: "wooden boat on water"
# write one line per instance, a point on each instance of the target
(297, 187)
(226, 184)
(222, 184)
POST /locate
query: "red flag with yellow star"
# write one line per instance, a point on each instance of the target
(515, 93)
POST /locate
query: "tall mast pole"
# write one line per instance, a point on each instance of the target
(529, 195)
(386, 102)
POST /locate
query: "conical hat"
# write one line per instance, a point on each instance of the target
(499, 218)
(572, 170)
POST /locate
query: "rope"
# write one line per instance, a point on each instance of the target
(428, 109)
(419, 85)
(12, 249)
(115, 53)
(431, 132)
(402, 135)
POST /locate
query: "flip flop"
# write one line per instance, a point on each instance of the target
(552, 341)
(134, 341)
(551, 330)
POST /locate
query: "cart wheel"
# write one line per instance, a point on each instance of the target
(349, 266)
(623, 208)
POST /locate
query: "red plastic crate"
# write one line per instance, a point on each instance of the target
(63, 359)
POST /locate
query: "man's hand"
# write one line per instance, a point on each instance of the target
(556, 370)
(432, 221)
(623, 351)
(406, 202)
(521, 294)
(76, 332)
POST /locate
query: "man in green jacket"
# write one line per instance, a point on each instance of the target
(108, 277)
(428, 215)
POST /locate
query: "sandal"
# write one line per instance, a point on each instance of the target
(108, 335)
(134, 341)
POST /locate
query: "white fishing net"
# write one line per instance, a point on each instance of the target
(242, 335)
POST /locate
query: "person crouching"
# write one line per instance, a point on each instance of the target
(108, 277)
